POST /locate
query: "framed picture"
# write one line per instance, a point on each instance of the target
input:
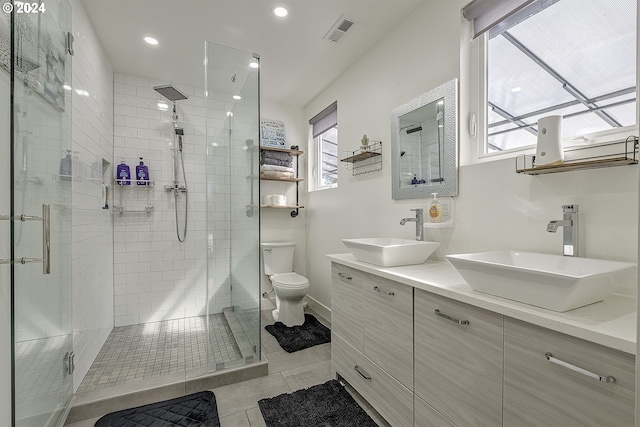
(272, 133)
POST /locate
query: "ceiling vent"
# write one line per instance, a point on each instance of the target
(339, 29)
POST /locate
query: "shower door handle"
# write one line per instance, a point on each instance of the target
(46, 239)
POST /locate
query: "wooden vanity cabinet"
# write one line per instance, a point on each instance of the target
(559, 391)
(372, 340)
(458, 360)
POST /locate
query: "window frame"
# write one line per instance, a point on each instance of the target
(479, 102)
(316, 169)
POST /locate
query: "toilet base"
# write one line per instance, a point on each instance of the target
(290, 313)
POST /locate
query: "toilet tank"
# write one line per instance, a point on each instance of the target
(277, 257)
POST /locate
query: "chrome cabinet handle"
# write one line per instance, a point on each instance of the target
(46, 239)
(382, 291)
(453, 319)
(362, 373)
(344, 276)
(602, 379)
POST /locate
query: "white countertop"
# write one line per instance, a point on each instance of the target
(611, 323)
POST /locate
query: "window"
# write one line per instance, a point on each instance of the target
(324, 170)
(575, 58)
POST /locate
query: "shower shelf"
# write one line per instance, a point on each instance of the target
(134, 190)
(295, 152)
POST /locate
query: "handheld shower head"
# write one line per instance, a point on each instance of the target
(179, 134)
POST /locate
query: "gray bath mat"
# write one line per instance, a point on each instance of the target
(324, 405)
(193, 410)
(294, 338)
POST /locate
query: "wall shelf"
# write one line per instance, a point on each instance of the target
(295, 152)
(364, 160)
(605, 156)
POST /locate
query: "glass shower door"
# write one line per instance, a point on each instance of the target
(41, 187)
(233, 215)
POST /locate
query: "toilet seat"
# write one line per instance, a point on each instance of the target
(289, 280)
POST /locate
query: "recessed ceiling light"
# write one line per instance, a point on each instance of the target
(254, 64)
(516, 89)
(237, 97)
(151, 41)
(280, 12)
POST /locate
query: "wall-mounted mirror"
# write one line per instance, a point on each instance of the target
(424, 144)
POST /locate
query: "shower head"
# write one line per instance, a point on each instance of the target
(180, 131)
(170, 92)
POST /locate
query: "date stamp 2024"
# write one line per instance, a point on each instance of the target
(21, 7)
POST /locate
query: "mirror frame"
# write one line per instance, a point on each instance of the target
(448, 91)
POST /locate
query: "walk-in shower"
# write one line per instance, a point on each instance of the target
(173, 94)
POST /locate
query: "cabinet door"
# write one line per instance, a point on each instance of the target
(458, 356)
(388, 326)
(538, 392)
(346, 304)
(391, 399)
(425, 416)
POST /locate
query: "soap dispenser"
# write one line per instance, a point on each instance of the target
(123, 174)
(435, 209)
(142, 173)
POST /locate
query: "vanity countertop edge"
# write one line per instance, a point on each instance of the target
(611, 323)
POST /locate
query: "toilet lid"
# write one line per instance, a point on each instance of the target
(291, 280)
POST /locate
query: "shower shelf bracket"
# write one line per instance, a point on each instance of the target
(131, 198)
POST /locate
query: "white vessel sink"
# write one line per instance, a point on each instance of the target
(389, 251)
(554, 282)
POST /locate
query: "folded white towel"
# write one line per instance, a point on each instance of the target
(277, 174)
(277, 168)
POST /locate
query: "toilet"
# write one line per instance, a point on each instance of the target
(290, 287)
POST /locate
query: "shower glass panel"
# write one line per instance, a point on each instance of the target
(232, 89)
(42, 172)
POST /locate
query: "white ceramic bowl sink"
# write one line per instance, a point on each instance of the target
(389, 251)
(554, 282)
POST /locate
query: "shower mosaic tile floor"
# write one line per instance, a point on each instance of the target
(154, 349)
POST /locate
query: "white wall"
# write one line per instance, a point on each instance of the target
(92, 231)
(277, 225)
(495, 209)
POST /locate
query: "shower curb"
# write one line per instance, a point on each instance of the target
(84, 408)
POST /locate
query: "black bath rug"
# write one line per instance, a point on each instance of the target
(324, 405)
(295, 338)
(193, 410)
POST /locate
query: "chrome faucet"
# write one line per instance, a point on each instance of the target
(419, 220)
(570, 232)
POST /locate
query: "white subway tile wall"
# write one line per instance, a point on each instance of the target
(156, 276)
(92, 231)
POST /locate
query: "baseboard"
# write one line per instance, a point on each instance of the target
(319, 308)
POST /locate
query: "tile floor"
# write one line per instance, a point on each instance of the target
(150, 350)
(238, 403)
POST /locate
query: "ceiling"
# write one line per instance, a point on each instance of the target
(296, 63)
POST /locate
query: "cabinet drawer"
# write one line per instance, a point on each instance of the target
(388, 326)
(346, 304)
(391, 399)
(426, 416)
(539, 392)
(458, 365)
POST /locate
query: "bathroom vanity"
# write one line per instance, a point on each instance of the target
(424, 349)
